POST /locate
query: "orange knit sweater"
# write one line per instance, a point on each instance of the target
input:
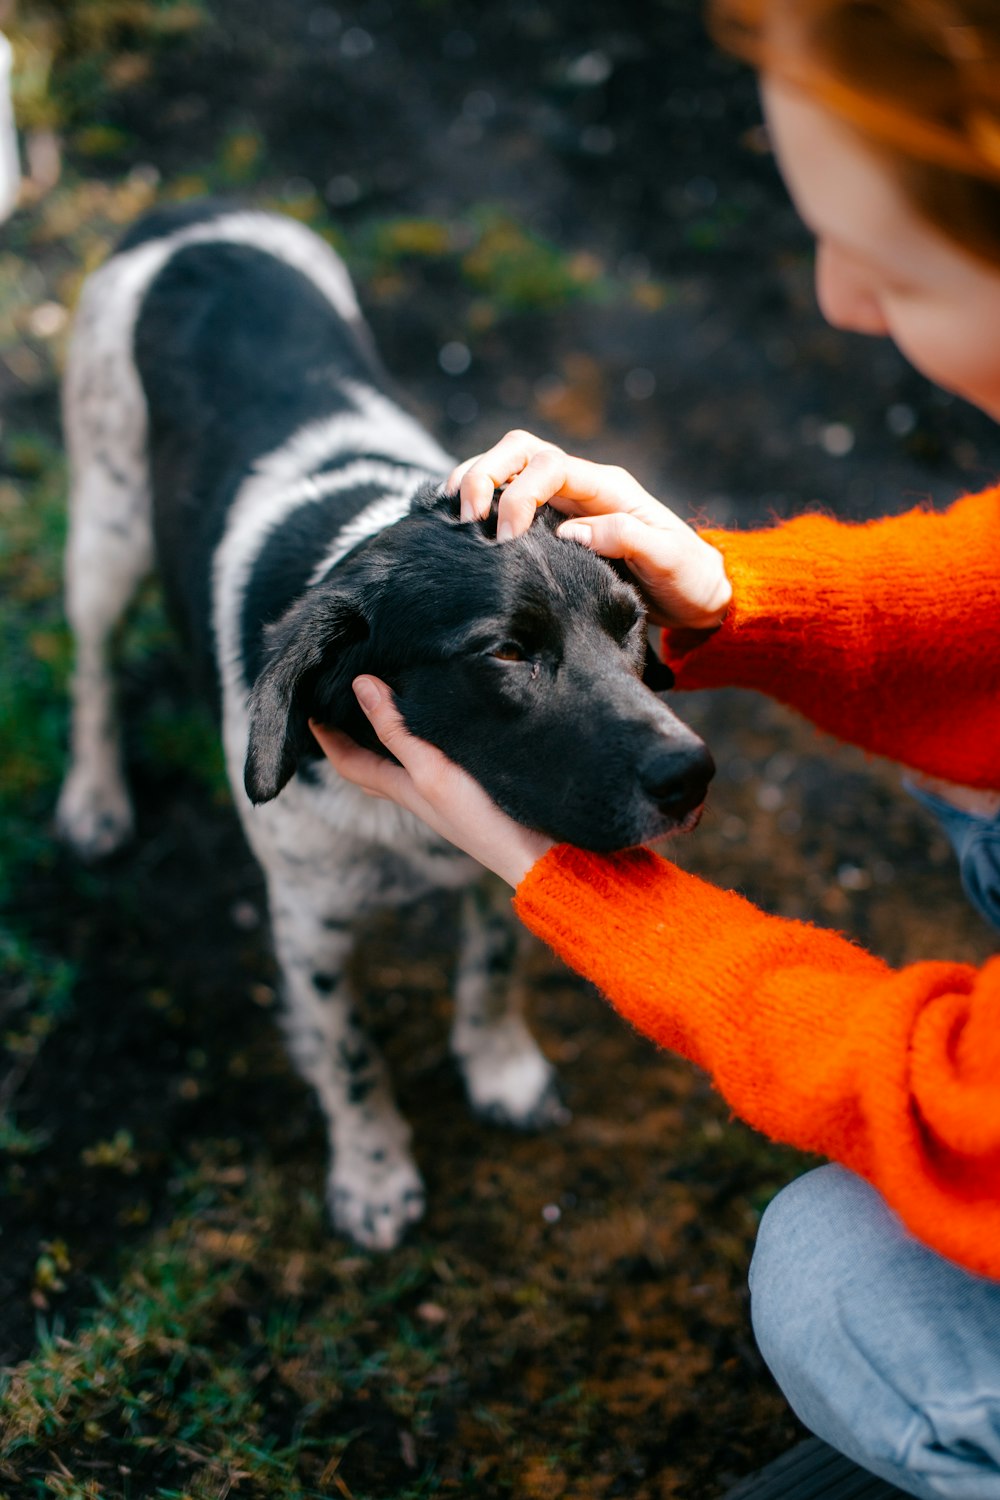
(886, 634)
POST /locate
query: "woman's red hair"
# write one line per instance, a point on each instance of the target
(919, 80)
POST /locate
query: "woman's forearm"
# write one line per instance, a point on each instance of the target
(809, 1038)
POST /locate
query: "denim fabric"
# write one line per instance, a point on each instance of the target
(976, 841)
(888, 1352)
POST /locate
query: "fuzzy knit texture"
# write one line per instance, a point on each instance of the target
(887, 634)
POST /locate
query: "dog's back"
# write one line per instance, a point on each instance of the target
(233, 346)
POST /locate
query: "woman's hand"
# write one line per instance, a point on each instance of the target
(426, 783)
(681, 577)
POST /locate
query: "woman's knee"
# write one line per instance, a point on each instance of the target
(806, 1250)
(881, 1347)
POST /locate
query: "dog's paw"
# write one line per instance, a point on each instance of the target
(515, 1086)
(376, 1213)
(548, 1111)
(93, 816)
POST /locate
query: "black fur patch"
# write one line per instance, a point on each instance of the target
(236, 351)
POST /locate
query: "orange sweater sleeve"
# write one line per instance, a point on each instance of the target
(886, 634)
(896, 1074)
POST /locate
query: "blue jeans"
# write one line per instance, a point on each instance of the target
(882, 1348)
(888, 1352)
(976, 842)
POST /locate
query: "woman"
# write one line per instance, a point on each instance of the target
(875, 1282)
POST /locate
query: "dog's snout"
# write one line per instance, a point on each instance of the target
(676, 778)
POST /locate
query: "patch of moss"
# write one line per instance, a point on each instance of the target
(68, 55)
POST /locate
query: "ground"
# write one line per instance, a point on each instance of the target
(562, 217)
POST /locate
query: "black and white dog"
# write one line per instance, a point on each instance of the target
(226, 417)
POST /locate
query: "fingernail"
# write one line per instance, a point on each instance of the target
(574, 532)
(366, 693)
(505, 532)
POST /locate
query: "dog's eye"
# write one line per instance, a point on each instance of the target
(508, 651)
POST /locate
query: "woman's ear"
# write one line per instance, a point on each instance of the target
(305, 643)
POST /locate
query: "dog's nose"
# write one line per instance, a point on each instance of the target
(676, 779)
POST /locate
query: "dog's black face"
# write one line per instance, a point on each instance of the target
(522, 661)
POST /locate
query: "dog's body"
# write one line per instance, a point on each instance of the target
(226, 415)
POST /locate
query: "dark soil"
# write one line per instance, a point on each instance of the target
(617, 132)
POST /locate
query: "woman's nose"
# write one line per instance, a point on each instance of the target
(845, 294)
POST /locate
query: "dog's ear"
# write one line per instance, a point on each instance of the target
(657, 676)
(304, 643)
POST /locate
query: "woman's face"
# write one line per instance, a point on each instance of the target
(880, 268)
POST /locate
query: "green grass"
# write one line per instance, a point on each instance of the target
(35, 986)
(184, 1371)
(72, 57)
(494, 255)
(34, 644)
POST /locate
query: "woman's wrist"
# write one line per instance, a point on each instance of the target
(522, 850)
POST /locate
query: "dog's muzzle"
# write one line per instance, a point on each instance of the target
(676, 779)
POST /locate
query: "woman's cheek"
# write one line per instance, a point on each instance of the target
(935, 344)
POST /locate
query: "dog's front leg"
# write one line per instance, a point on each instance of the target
(374, 1190)
(507, 1077)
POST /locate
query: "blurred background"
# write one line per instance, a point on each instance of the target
(560, 216)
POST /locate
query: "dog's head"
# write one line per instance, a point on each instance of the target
(522, 661)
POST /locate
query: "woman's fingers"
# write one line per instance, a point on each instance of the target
(543, 476)
(378, 704)
(419, 762)
(477, 489)
(426, 783)
(366, 769)
(532, 472)
(478, 478)
(681, 577)
(616, 535)
(575, 486)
